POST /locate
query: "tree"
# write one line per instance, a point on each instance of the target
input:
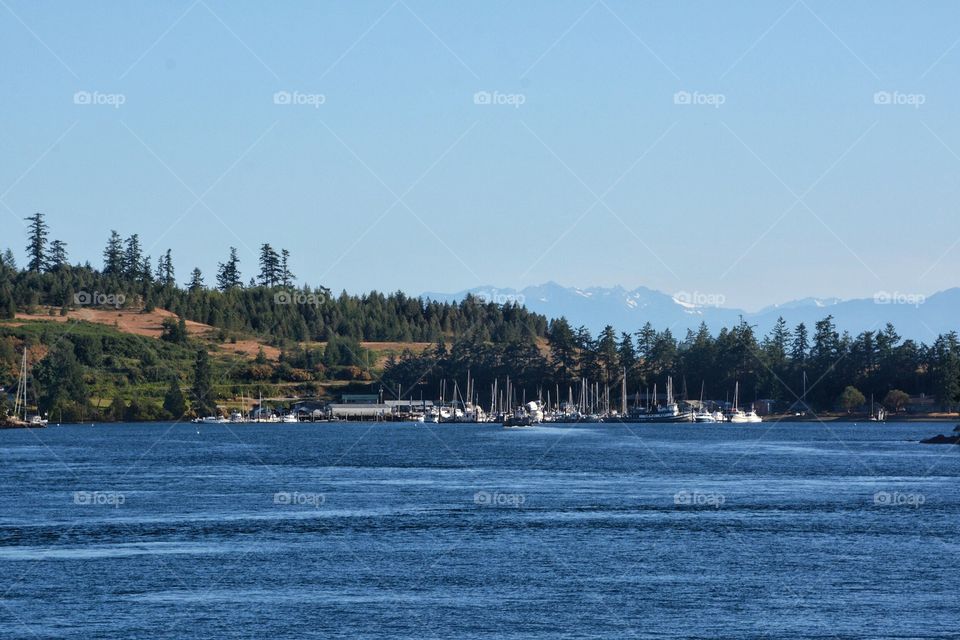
(945, 370)
(113, 255)
(36, 242)
(228, 273)
(8, 260)
(165, 273)
(8, 306)
(196, 280)
(269, 266)
(174, 331)
(58, 255)
(133, 258)
(896, 400)
(800, 346)
(563, 350)
(118, 408)
(608, 358)
(286, 276)
(851, 398)
(61, 382)
(173, 402)
(204, 403)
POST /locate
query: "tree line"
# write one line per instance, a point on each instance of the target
(795, 366)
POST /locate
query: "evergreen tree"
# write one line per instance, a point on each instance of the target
(286, 276)
(58, 255)
(196, 280)
(165, 272)
(113, 256)
(607, 355)
(228, 274)
(800, 346)
(563, 350)
(36, 242)
(204, 403)
(173, 402)
(61, 382)
(626, 353)
(270, 267)
(8, 260)
(133, 258)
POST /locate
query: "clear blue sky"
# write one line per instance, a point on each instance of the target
(400, 181)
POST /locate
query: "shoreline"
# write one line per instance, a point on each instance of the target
(768, 420)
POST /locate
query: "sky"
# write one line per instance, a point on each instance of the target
(758, 151)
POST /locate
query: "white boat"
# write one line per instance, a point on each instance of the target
(211, 420)
(738, 415)
(290, 418)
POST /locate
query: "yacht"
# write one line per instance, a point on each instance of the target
(739, 416)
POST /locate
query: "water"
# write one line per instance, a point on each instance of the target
(413, 531)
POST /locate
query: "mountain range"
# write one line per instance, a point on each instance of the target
(914, 316)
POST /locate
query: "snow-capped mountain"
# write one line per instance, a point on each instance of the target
(917, 317)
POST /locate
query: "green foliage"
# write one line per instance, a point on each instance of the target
(851, 398)
(896, 400)
(174, 331)
(204, 401)
(174, 404)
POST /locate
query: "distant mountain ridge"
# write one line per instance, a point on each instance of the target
(916, 317)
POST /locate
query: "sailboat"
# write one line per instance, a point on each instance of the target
(879, 415)
(20, 403)
(738, 415)
(702, 415)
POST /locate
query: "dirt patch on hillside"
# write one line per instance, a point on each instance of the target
(150, 324)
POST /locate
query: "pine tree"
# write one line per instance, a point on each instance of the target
(801, 345)
(36, 242)
(173, 402)
(204, 404)
(58, 255)
(113, 255)
(165, 271)
(133, 258)
(8, 260)
(286, 276)
(228, 274)
(196, 280)
(269, 266)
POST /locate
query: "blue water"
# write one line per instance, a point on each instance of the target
(412, 531)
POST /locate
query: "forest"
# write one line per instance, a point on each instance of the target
(321, 337)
